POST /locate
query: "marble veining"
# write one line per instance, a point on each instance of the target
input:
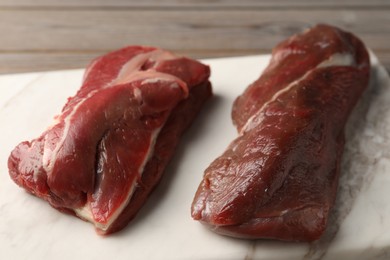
(357, 162)
(359, 226)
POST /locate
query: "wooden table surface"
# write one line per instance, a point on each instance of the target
(41, 35)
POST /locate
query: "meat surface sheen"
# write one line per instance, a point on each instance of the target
(108, 148)
(278, 179)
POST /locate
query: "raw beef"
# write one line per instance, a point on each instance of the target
(279, 178)
(108, 148)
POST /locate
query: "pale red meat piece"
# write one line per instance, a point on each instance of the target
(108, 148)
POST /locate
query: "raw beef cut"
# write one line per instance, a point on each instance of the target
(108, 148)
(278, 179)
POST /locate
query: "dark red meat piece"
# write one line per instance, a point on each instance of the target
(108, 149)
(279, 178)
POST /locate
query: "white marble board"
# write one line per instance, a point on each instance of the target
(30, 229)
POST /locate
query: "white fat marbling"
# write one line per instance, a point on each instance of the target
(338, 59)
(31, 229)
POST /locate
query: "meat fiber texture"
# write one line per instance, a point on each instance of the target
(107, 150)
(278, 179)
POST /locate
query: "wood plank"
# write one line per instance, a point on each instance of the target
(196, 3)
(28, 62)
(32, 62)
(43, 61)
(234, 30)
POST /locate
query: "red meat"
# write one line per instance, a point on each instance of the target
(108, 149)
(278, 179)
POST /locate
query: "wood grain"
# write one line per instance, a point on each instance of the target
(54, 34)
(196, 3)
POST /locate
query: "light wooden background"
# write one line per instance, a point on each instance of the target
(41, 35)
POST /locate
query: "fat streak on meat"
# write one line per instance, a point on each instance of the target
(108, 148)
(278, 179)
